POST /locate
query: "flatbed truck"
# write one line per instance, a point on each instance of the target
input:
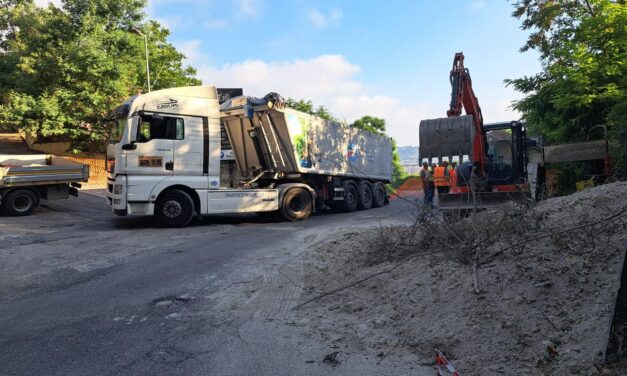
(25, 179)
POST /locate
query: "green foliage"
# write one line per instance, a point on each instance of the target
(371, 124)
(618, 133)
(308, 108)
(583, 50)
(63, 69)
(398, 171)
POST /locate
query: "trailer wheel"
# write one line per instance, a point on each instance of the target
(365, 196)
(20, 202)
(379, 195)
(296, 204)
(351, 197)
(174, 208)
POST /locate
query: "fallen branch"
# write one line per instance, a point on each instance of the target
(556, 233)
(475, 277)
(550, 321)
(325, 294)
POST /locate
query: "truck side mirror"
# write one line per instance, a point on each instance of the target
(131, 146)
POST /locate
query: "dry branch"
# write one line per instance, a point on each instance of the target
(355, 283)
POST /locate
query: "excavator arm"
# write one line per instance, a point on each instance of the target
(462, 95)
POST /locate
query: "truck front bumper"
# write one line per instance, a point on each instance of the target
(116, 195)
(117, 199)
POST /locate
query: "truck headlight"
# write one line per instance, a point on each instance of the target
(117, 189)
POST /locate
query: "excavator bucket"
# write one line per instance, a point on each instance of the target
(446, 137)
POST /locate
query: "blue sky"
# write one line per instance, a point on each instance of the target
(383, 58)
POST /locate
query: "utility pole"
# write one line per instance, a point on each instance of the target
(147, 62)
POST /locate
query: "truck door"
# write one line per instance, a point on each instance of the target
(189, 147)
(153, 153)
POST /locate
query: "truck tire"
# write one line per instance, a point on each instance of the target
(20, 202)
(365, 196)
(296, 205)
(379, 196)
(174, 208)
(351, 197)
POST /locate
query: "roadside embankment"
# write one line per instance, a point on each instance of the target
(516, 291)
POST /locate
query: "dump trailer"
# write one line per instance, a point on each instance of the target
(177, 154)
(26, 179)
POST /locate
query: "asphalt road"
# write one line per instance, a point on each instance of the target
(83, 292)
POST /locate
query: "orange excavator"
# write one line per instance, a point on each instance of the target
(497, 152)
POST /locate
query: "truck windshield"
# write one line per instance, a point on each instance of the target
(116, 125)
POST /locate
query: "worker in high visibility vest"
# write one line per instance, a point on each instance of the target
(426, 176)
(453, 175)
(441, 178)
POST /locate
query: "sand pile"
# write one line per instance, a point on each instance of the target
(547, 277)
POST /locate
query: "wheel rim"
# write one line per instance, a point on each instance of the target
(380, 195)
(297, 204)
(367, 196)
(172, 209)
(22, 203)
(350, 197)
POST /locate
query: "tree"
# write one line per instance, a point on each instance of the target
(583, 50)
(63, 69)
(371, 124)
(307, 107)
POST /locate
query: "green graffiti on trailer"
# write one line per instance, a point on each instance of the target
(299, 127)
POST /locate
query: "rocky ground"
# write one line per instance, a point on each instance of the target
(547, 277)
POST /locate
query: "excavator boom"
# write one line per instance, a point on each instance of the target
(463, 95)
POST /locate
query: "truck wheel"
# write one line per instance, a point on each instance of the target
(365, 196)
(20, 202)
(296, 204)
(351, 197)
(379, 195)
(174, 209)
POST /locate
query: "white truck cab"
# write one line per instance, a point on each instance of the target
(164, 155)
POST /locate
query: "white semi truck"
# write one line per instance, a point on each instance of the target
(178, 154)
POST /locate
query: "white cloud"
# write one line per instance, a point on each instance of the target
(170, 22)
(328, 80)
(478, 4)
(214, 24)
(333, 81)
(191, 50)
(248, 7)
(321, 20)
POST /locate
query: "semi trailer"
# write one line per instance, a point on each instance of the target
(178, 154)
(25, 179)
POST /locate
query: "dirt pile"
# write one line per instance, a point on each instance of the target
(546, 277)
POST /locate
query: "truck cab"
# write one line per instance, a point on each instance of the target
(164, 151)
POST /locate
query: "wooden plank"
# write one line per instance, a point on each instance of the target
(579, 151)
